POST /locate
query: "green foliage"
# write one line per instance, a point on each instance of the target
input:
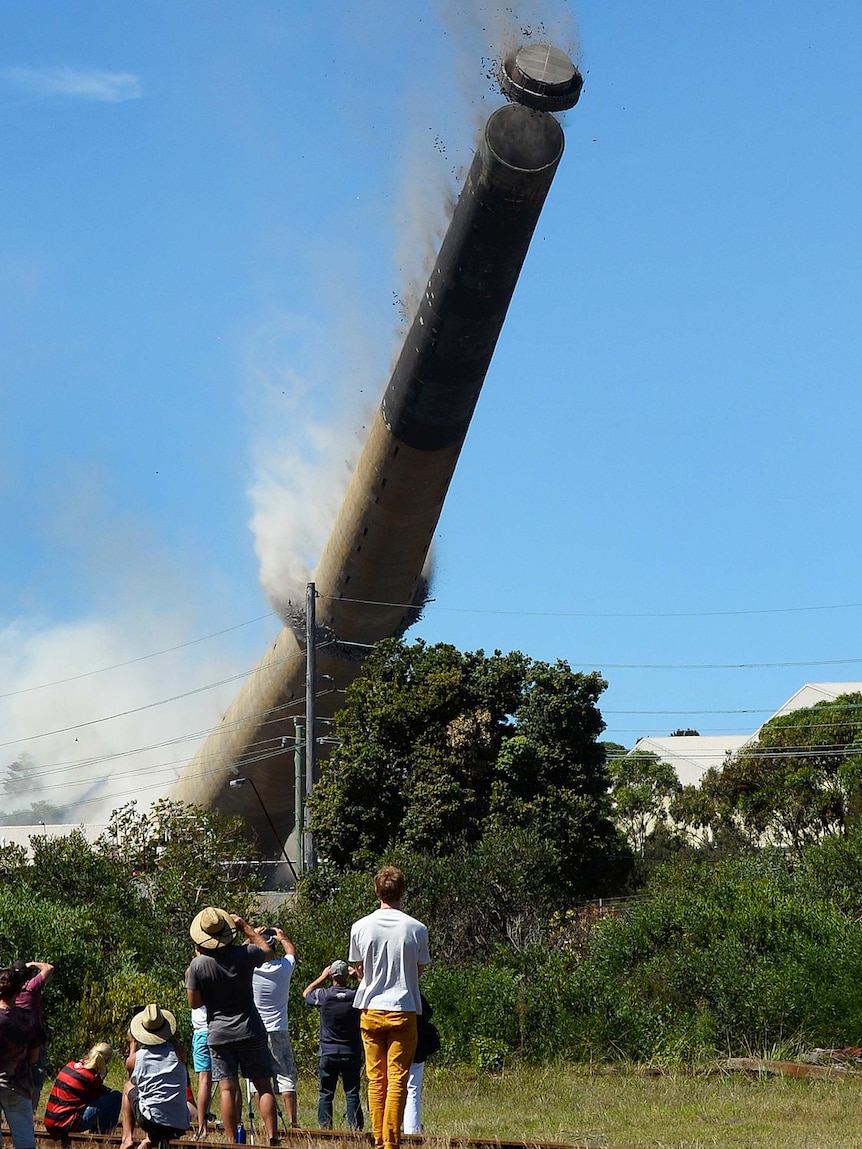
(725, 957)
(113, 917)
(801, 780)
(22, 780)
(438, 749)
(20, 777)
(180, 858)
(419, 733)
(642, 786)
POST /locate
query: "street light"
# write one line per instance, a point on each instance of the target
(237, 782)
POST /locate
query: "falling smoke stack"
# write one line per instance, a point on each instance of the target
(371, 578)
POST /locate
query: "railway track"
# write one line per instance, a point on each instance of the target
(320, 1139)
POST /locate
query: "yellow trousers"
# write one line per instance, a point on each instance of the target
(389, 1038)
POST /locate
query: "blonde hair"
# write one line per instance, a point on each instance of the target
(98, 1058)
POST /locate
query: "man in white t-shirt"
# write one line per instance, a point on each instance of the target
(270, 985)
(390, 951)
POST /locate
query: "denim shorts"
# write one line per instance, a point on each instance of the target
(19, 1117)
(251, 1058)
(283, 1065)
(201, 1059)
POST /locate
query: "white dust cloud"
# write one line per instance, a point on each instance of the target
(307, 439)
(96, 740)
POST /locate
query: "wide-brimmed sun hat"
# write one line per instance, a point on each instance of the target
(153, 1026)
(213, 929)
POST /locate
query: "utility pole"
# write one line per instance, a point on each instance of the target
(298, 793)
(309, 855)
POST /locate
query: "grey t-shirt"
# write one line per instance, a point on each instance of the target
(223, 978)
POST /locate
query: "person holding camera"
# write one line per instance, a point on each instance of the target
(271, 988)
(220, 978)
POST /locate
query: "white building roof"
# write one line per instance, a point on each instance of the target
(692, 756)
(813, 692)
(21, 835)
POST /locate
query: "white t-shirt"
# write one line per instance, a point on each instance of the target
(391, 946)
(271, 987)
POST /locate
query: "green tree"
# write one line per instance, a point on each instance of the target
(801, 780)
(437, 748)
(20, 777)
(642, 786)
(418, 737)
(180, 858)
(694, 812)
(551, 778)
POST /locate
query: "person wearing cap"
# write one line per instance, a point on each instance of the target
(389, 950)
(270, 985)
(155, 1094)
(340, 1051)
(79, 1100)
(20, 1038)
(220, 978)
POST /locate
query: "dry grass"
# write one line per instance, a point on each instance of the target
(630, 1108)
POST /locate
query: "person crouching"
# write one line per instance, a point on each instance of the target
(79, 1100)
(155, 1095)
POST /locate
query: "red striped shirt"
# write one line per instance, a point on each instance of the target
(76, 1087)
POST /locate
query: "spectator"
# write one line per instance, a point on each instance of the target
(79, 1100)
(270, 985)
(220, 978)
(428, 1043)
(340, 1051)
(201, 1063)
(20, 1038)
(30, 997)
(390, 951)
(155, 1095)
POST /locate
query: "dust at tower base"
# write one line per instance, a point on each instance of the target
(370, 579)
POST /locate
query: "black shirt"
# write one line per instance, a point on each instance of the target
(339, 1021)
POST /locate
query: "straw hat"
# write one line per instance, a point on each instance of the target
(213, 929)
(153, 1026)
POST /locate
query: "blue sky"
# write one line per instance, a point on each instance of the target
(209, 212)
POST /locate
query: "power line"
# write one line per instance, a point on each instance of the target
(503, 613)
(151, 705)
(139, 658)
(715, 665)
(597, 614)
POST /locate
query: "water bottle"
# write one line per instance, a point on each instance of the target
(240, 1134)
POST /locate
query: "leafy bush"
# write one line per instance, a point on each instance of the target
(723, 958)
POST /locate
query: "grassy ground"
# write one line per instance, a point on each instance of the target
(629, 1108)
(625, 1109)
